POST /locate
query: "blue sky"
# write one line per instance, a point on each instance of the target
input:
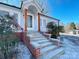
(12, 2)
(65, 10)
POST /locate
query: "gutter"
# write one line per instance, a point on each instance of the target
(10, 5)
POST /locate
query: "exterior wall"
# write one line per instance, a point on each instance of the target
(74, 32)
(42, 27)
(22, 21)
(36, 23)
(11, 10)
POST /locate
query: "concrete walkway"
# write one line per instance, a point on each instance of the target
(71, 50)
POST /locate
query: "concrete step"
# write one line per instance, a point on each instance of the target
(47, 49)
(47, 44)
(35, 36)
(44, 41)
(40, 41)
(53, 54)
(37, 39)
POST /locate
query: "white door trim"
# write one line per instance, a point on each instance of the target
(32, 21)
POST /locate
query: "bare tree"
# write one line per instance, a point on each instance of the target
(43, 5)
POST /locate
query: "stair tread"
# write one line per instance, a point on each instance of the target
(48, 48)
(44, 42)
(52, 54)
(39, 41)
(45, 45)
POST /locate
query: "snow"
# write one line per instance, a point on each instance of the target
(24, 53)
(71, 50)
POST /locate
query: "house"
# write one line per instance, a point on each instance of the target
(75, 32)
(31, 19)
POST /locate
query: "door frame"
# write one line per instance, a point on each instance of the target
(32, 21)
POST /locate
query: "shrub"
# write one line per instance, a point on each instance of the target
(8, 39)
(53, 29)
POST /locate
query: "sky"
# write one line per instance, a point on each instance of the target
(12, 2)
(65, 10)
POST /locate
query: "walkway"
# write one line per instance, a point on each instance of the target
(71, 50)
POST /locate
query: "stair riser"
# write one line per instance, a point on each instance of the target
(54, 57)
(45, 46)
(43, 42)
(49, 50)
(58, 55)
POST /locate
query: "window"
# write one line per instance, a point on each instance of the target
(44, 23)
(29, 21)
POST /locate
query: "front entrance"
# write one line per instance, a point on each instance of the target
(30, 22)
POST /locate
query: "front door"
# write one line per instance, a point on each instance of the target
(30, 23)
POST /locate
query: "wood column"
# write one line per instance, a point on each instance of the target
(38, 22)
(25, 16)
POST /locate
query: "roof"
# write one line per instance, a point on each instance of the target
(10, 5)
(49, 17)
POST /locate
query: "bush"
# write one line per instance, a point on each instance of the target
(7, 45)
(8, 38)
(53, 29)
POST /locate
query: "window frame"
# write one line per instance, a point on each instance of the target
(32, 28)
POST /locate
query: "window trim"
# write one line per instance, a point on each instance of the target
(32, 28)
(27, 21)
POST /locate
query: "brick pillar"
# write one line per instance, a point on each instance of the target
(38, 22)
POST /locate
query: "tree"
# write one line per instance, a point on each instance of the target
(72, 26)
(69, 27)
(43, 5)
(7, 43)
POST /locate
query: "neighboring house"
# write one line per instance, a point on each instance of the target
(29, 17)
(74, 31)
(77, 31)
